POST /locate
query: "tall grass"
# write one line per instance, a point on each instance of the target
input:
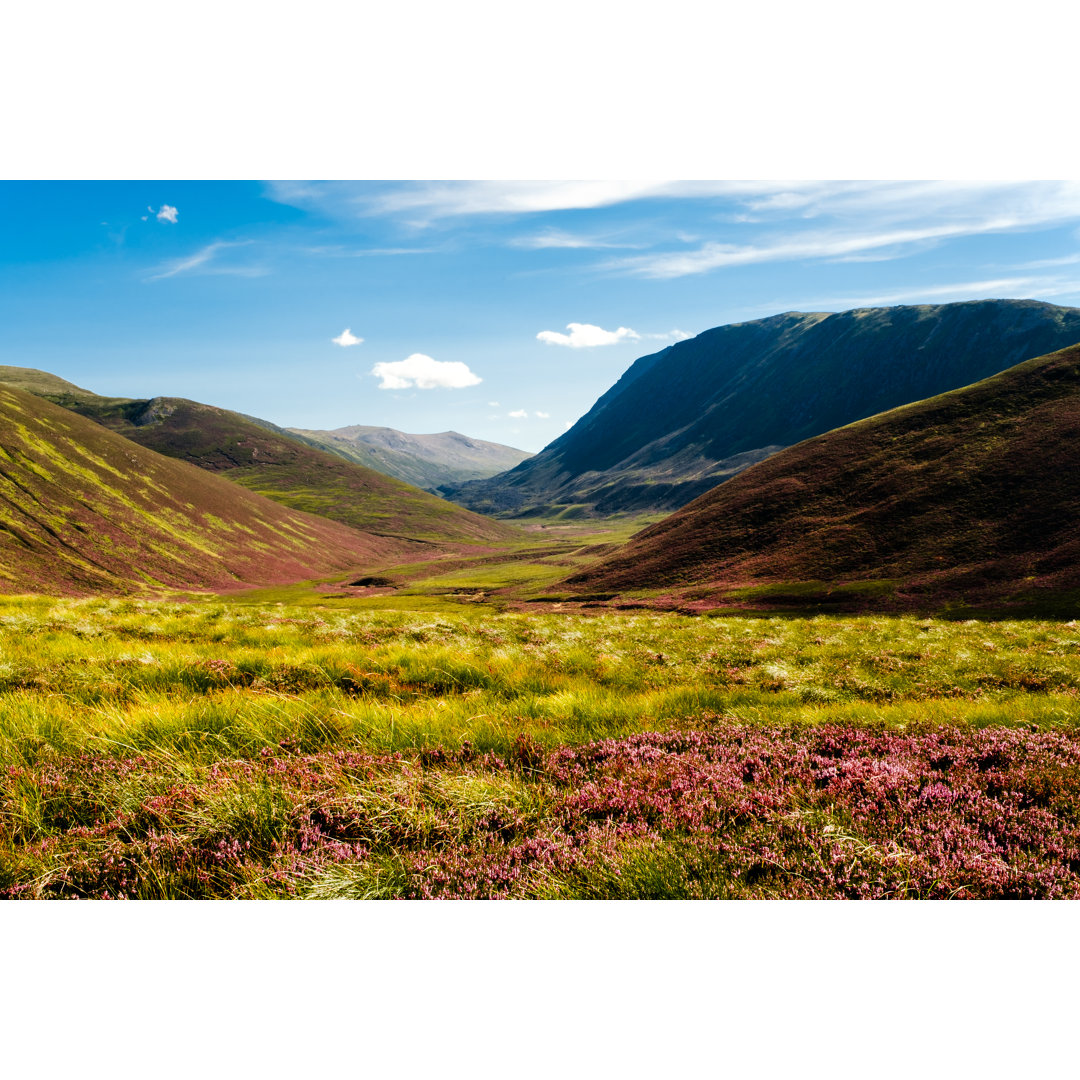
(149, 731)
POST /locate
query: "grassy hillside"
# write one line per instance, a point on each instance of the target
(84, 510)
(428, 461)
(972, 494)
(41, 382)
(685, 419)
(270, 461)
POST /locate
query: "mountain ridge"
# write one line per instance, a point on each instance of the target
(429, 462)
(700, 411)
(971, 494)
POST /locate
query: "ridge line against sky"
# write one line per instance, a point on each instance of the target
(414, 305)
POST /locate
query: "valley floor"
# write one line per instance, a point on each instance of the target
(341, 747)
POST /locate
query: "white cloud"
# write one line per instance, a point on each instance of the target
(518, 414)
(166, 213)
(540, 196)
(424, 202)
(713, 256)
(852, 208)
(544, 415)
(585, 336)
(424, 373)
(494, 405)
(870, 219)
(347, 338)
(783, 200)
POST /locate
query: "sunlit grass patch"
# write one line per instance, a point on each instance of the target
(212, 748)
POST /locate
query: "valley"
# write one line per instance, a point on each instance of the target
(235, 665)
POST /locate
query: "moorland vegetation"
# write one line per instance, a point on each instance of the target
(229, 749)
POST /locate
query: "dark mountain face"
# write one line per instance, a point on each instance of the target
(971, 494)
(684, 419)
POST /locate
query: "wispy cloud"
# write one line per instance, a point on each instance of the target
(190, 262)
(203, 259)
(995, 288)
(1039, 264)
(347, 338)
(865, 222)
(425, 201)
(543, 415)
(518, 414)
(424, 373)
(587, 336)
(557, 238)
(713, 256)
(760, 201)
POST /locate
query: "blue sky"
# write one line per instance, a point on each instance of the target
(463, 293)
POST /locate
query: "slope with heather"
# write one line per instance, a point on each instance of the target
(84, 510)
(972, 494)
(430, 462)
(271, 461)
(685, 419)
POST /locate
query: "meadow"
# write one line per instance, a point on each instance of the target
(334, 747)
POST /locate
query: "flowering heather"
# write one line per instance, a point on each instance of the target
(229, 750)
(732, 810)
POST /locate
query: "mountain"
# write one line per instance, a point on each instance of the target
(84, 510)
(428, 461)
(972, 494)
(271, 461)
(684, 419)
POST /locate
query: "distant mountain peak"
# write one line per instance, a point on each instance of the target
(431, 461)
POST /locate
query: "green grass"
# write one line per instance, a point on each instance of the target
(185, 690)
(141, 673)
